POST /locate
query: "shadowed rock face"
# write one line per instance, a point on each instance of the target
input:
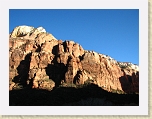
(39, 60)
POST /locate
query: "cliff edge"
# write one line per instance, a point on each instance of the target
(38, 60)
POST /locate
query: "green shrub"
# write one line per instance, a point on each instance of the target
(117, 91)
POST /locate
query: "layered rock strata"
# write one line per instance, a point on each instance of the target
(38, 60)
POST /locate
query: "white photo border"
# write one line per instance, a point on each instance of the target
(142, 109)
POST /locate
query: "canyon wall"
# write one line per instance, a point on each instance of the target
(38, 60)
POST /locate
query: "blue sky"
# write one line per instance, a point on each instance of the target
(113, 32)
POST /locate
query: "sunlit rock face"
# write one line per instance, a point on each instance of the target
(24, 30)
(38, 60)
(129, 65)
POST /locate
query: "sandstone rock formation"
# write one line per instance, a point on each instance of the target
(24, 30)
(38, 60)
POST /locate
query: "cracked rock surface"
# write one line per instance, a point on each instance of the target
(38, 60)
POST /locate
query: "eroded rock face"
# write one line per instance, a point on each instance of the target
(39, 60)
(24, 30)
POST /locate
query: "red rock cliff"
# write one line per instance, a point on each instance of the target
(38, 60)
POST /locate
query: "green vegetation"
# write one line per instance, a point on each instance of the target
(90, 95)
(117, 91)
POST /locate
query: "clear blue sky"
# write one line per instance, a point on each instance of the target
(112, 32)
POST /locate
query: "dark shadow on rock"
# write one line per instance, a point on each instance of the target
(81, 57)
(56, 71)
(65, 95)
(21, 35)
(55, 50)
(23, 70)
(65, 46)
(76, 79)
(126, 84)
(38, 48)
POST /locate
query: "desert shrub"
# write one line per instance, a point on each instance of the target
(89, 81)
(67, 85)
(117, 91)
(18, 86)
(123, 66)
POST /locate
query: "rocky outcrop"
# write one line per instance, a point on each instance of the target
(24, 30)
(38, 60)
(128, 65)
